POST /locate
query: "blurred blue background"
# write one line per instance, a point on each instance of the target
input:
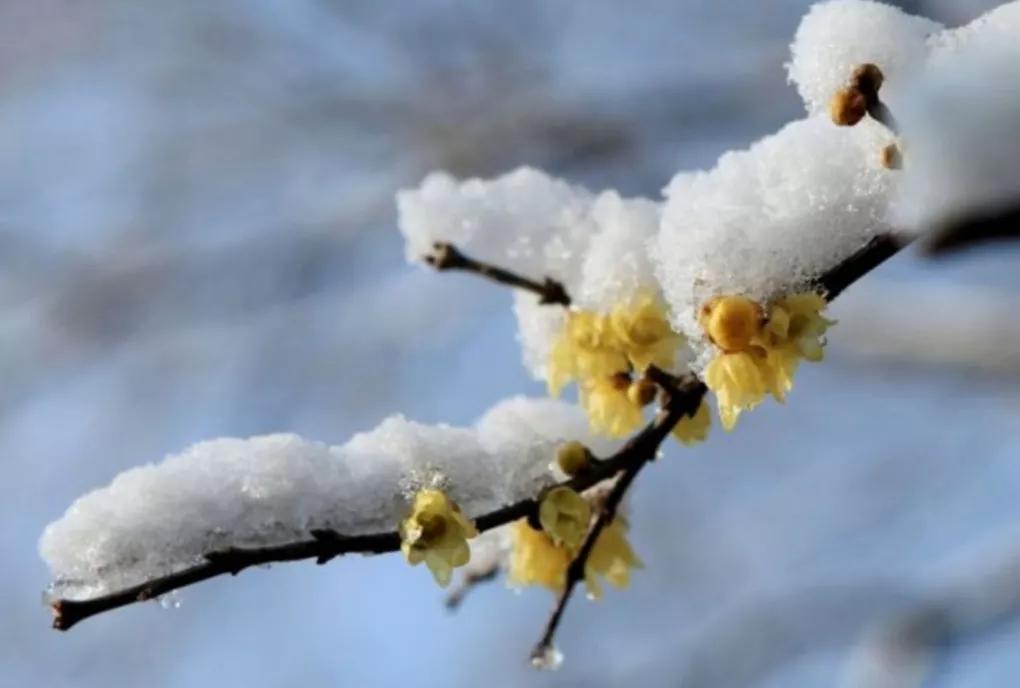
(197, 239)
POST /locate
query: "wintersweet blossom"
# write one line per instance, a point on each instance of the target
(565, 516)
(795, 330)
(586, 349)
(759, 348)
(436, 532)
(535, 559)
(601, 352)
(611, 410)
(643, 332)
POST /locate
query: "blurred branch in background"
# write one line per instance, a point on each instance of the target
(284, 174)
(979, 594)
(750, 640)
(1001, 225)
(935, 324)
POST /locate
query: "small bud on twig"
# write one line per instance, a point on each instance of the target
(892, 157)
(573, 458)
(848, 107)
(642, 391)
(860, 97)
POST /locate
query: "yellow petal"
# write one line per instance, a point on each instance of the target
(535, 559)
(693, 429)
(440, 569)
(739, 384)
(610, 410)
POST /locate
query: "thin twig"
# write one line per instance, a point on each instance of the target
(446, 256)
(682, 397)
(469, 581)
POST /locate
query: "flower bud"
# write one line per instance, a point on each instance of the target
(892, 157)
(848, 107)
(731, 321)
(573, 458)
(642, 392)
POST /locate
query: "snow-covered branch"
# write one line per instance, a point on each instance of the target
(144, 496)
(446, 256)
(718, 287)
(324, 544)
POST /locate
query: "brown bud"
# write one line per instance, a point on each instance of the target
(848, 107)
(867, 79)
(892, 157)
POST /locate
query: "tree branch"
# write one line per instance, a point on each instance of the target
(880, 249)
(327, 545)
(446, 256)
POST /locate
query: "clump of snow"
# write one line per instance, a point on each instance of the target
(522, 424)
(768, 220)
(538, 326)
(617, 265)
(837, 36)
(1001, 24)
(525, 221)
(614, 267)
(274, 489)
(538, 226)
(963, 156)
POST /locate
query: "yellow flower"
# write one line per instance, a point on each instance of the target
(565, 516)
(693, 429)
(759, 355)
(739, 383)
(610, 409)
(535, 559)
(586, 348)
(612, 558)
(807, 328)
(436, 532)
(645, 333)
(795, 330)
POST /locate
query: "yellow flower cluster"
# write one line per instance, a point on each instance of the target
(541, 557)
(760, 349)
(436, 532)
(600, 352)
